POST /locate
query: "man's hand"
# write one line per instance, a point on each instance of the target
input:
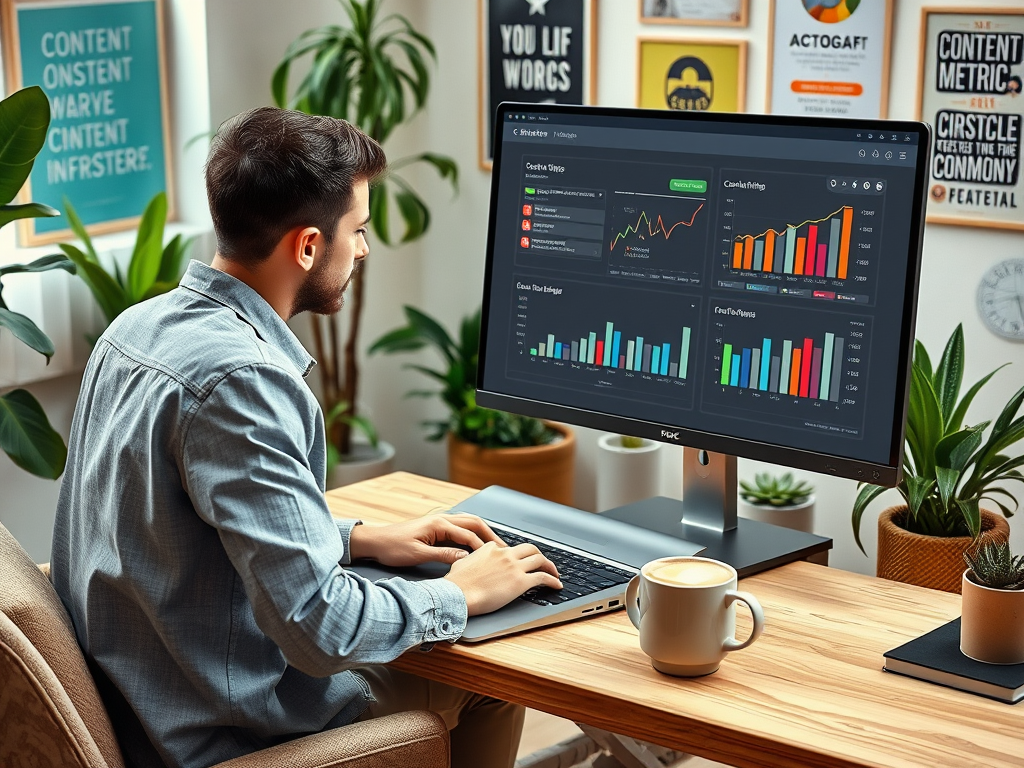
(495, 575)
(415, 541)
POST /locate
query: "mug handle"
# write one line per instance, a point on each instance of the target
(632, 602)
(731, 643)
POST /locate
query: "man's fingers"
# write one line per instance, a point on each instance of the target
(447, 555)
(477, 526)
(544, 579)
(539, 563)
(461, 535)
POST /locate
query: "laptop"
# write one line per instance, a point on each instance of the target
(595, 556)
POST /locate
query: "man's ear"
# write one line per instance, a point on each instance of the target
(305, 247)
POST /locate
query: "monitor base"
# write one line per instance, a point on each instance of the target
(750, 547)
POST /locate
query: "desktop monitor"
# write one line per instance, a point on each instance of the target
(741, 285)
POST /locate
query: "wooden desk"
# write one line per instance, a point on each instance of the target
(810, 692)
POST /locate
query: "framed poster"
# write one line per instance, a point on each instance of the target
(101, 63)
(719, 13)
(534, 51)
(702, 75)
(971, 70)
(829, 57)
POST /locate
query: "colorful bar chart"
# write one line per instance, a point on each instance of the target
(610, 349)
(801, 368)
(817, 247)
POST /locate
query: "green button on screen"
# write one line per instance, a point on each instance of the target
(688, 185)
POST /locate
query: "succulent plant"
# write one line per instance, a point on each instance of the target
(632, 442)
(769, 491)
(994, 566)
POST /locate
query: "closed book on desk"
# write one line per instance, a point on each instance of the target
(936, 657)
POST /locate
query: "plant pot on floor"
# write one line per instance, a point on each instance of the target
(799, 517)
(936, 562)
(626, 475)
(363, 463)
(992, 623)
(545, 471)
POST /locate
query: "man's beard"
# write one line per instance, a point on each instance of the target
(319, 292)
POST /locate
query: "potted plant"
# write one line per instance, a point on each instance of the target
(485, 446)
(373, 73)
(628, 470)
(992, 616)
(778, 500)
(154, 268)
(26, 435)
(948, 469)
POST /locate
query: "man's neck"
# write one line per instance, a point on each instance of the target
(264, 281)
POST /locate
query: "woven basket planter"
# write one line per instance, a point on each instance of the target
(929, 561)
(545, 471)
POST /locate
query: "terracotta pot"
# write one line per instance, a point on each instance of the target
(992, 623)
(545, 471)
(929, 561)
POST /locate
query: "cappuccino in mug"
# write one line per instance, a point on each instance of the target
(688, 573)
(684, 609)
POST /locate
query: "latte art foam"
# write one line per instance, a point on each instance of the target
(689, 573)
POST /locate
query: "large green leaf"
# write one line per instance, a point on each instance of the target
(431, 330)
(926, 417)
(867, 494)
(9, 213)
(108, 294)
(149, 248)
(405, 339)
(27, 332)
(42, 264)
(80, 232)
(172, 262)
(950, 374)
(27, 437)
(24, 118)
(922, 359)
(956, 420)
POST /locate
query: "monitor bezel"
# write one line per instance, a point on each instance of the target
(886, 474)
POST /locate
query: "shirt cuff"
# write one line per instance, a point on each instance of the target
(450, 611)
(345, 529)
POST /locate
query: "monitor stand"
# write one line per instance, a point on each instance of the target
(707, 516)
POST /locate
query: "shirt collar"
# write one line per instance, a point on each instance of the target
(250, 307)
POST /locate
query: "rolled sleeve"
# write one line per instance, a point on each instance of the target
(248, 473)
(345, 529)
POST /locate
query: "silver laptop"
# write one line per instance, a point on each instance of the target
(595, 556)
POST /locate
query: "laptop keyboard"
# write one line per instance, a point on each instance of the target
(580, 575)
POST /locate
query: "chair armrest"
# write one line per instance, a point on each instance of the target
(405, 740)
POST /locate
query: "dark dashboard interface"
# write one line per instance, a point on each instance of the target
(736, 280)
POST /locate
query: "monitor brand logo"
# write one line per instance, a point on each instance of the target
(669, 435)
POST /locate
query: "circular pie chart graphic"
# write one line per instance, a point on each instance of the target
(831, 11)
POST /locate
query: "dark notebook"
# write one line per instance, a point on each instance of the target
(936, 657)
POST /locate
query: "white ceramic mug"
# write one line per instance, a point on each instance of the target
(686, 613)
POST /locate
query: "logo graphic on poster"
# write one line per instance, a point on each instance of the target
(972, 68)
(689, 84)
(831, 11)
(691, 75)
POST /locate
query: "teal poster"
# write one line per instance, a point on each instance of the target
(99, 65)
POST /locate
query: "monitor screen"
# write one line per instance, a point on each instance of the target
(738, 283)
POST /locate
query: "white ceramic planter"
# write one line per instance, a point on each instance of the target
(992, 623)
(625, 475)
(799, 517)
(365, 462)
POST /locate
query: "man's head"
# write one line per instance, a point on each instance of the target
(289, 195)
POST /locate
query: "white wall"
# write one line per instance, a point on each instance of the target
(443, 272)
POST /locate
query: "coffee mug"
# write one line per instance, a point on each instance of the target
(683, 607)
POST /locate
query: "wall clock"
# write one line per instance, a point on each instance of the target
(1001, 299)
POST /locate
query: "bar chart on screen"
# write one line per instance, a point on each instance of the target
(617, 338)
(805, 236)
(789, 364)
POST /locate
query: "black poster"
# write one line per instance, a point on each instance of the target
(535, 51)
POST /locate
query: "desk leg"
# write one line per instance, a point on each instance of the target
(627, 752)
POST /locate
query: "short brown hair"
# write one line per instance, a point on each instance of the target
(271, 170)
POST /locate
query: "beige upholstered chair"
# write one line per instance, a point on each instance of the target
(51, 713)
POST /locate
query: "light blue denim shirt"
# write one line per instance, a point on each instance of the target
(193, 547)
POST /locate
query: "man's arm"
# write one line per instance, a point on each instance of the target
(247, 473)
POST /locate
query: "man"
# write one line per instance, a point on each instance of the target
(193, 547)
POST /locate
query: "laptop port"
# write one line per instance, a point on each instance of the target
(599, 608)
(587, 610)
(612, 603)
